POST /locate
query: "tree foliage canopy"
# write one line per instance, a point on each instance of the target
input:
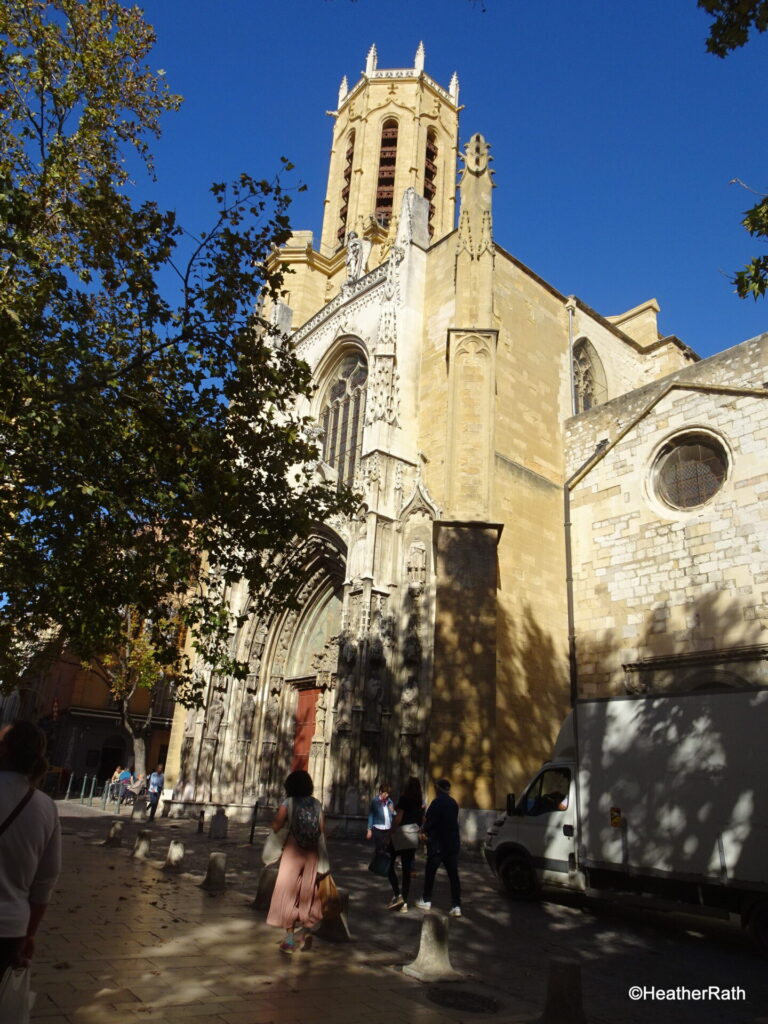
(734, 21)
(147, 415)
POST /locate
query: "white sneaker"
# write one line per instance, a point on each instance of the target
(454, 912)
(423, 904)
(404, 909)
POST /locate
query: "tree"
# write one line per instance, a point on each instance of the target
(734, 20)
(150, 451)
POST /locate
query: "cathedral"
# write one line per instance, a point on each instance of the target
(554, 503)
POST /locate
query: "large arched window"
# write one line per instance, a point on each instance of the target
(343, 416)
(346, 186)
(430, 176)
(385, 187)
(589, 387)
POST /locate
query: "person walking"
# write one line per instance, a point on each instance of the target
(441, 826)
(409, 817)
(30, 850)
(295, 904)
(381, 813)
(156, 784)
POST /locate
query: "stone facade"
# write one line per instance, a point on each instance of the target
(444, 629)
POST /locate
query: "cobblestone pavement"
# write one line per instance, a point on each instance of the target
(124, 941)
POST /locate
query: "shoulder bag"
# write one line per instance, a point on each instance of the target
(273, 847)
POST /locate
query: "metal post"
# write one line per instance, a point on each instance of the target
(82, 789)
(69, 786)
(90, 795)
(253, 821)
(105, 796)
(200, 822)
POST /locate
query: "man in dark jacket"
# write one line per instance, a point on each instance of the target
(441, 826)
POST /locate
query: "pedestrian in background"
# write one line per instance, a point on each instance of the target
(441, 827)
(409, 817)
(156, 784)
(30, 851)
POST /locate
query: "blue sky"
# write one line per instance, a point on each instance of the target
(614, 133)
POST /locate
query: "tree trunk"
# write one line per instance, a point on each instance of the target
(139, 755)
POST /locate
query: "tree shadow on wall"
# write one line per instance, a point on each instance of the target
(695, 803)
(532, 698)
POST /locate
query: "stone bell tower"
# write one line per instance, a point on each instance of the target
(395, 129)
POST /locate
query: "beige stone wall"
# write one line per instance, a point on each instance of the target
(532, 394)
(651, 582)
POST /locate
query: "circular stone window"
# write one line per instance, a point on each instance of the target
(690, 470)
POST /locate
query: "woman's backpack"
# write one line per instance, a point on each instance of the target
(305, 822)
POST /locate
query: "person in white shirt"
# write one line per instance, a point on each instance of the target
(30, 848)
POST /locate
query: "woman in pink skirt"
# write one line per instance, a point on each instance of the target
(295, 902)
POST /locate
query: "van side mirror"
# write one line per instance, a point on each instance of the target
(510, 804)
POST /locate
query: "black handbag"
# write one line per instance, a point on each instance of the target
(380, 863)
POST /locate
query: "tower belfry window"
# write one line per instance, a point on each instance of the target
(345, 188)
(430, 176)
(385, 187)
(343, 416)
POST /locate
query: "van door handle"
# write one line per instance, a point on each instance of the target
(568, 830)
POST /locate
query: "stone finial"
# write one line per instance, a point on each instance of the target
(371, 61)
(453, 88)
(418, 63)
(343, 90)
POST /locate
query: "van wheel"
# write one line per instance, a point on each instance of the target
(518, 877)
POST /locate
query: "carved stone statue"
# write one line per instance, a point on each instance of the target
(215, 715)
(409, 704)
(374, 690)
(270, 716)
(355, 257)
(247, 716)
(344, 702)
(321, 711)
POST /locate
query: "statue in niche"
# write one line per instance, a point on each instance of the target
(321, 711)
(357, 557)
(344, 702)
(349, 652)
(355, 258)
(409, 705)
(374, 690)
(377, 649)
(247, 715)
(215, 715)
(190, 723)
(412, 649)
(271, 715)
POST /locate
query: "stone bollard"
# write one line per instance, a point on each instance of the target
(564, 1005)
(175, 858)
(266, 887)
(141, 847)
(215, 878)
(115, 835)
(139, 809)
(433, 962)
(218, 828)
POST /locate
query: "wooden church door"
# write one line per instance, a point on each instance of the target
(305, 729)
